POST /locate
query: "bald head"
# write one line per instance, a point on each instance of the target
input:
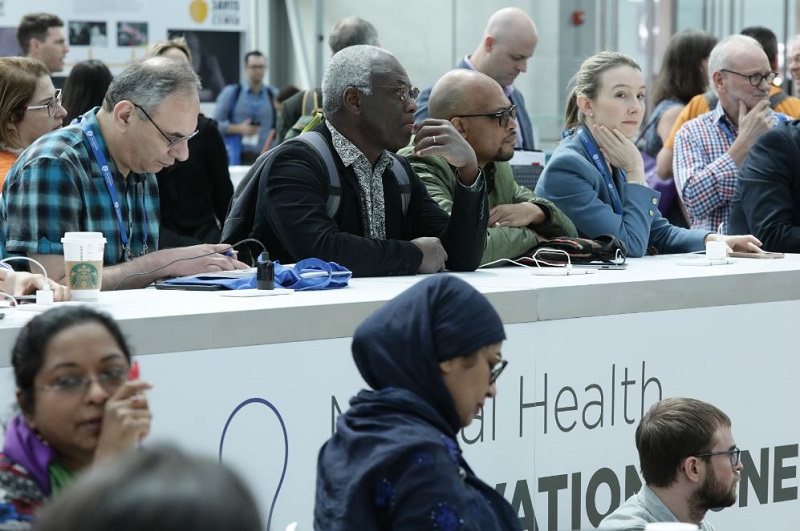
(479, 110)
(460, 91)
(510, 22)
(509, 40)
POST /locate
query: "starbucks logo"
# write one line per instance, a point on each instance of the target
(84, 276)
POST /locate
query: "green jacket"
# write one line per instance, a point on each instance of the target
(501, 242)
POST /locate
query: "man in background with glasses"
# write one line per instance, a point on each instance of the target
(690, 464)
(710, 149)
(479, 110)
(779, 100)
(98, 175)
(383, 224)
(508, 43)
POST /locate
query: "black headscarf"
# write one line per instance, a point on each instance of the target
(402, 344)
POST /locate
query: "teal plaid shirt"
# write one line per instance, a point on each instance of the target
(56, 186)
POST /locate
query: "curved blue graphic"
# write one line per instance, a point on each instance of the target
(285, 443)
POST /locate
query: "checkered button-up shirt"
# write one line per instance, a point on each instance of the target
(705, 174)
(56, 186)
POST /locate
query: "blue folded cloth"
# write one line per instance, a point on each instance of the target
(306, 275)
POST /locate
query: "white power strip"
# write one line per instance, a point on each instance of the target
(559, 271)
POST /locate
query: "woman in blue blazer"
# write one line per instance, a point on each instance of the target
(596, 174)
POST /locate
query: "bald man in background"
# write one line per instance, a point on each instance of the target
(479, 110)
(508, 42)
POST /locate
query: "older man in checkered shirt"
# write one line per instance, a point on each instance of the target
(710, 149)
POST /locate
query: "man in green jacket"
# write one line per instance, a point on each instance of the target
(477, 107)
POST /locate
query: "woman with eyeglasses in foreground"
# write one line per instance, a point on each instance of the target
(394, 461)
(596, 174)
(76, 407)
(29, 107)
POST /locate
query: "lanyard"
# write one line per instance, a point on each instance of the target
(601, 165)
(112, 191)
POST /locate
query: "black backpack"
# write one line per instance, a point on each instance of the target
(242, 210)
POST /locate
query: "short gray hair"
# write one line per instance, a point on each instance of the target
(350, 32)
(148, 82)
(726, 48)
(354, 66)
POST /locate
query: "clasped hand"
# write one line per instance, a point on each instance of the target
(439, 137)
(516, 215)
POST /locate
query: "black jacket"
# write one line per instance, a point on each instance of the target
(292, 222)
(767, 200)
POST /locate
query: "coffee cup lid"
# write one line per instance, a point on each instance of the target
(83, 236)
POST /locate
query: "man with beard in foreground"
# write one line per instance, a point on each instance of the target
(690, 464)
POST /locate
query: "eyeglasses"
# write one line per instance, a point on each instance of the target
(502, 117)
(51, 106)
(755, 79)
(497, 370)
(734, 454)
(403, 92)
(171, 141)
(110, 380)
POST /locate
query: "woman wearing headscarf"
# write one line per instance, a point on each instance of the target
(394, 461)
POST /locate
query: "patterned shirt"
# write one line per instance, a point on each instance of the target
(370, 182)
(20, 496)
(56, 186)
(705, 174)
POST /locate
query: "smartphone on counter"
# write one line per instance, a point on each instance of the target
(762, 255)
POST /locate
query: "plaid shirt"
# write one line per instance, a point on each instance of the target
(705, 174)
(56, 186)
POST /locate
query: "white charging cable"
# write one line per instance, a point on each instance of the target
(552, 269)
(44, 296)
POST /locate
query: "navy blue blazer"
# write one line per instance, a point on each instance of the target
(516, 99)
(767, 200)
(576, 186)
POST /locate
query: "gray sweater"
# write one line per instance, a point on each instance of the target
(644, 507)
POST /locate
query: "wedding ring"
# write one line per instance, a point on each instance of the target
(434, 140)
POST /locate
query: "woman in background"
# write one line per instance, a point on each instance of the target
(683, 75)
(85, 87)
(29, 107)
(394, 461)
(194, 193)
(596, 174)
(76, 407)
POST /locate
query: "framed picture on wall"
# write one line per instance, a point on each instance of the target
(216, 57)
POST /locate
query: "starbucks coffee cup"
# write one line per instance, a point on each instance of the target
(83, 263)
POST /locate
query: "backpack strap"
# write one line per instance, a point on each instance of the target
(317, 107)
(315, 139)
(777, 98)
(304, 106)
(236, 92)
(403, 182)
